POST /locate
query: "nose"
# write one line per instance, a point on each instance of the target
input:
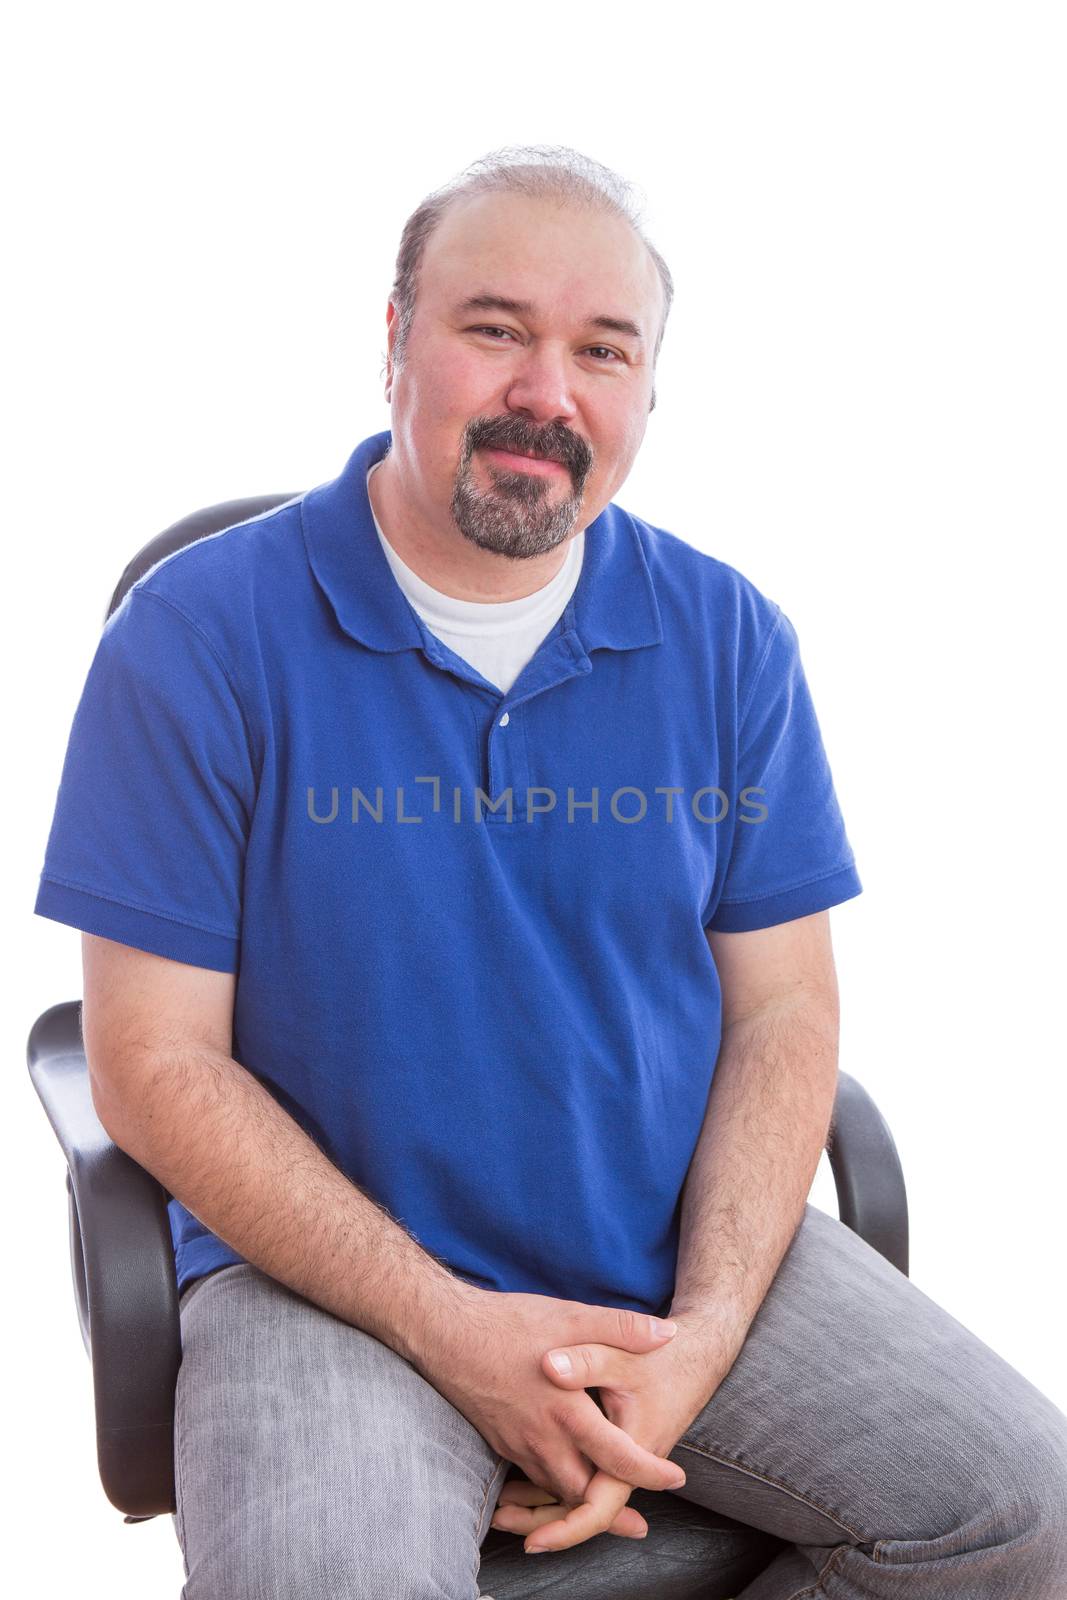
(540, 386)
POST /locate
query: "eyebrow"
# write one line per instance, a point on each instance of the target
(524, 308)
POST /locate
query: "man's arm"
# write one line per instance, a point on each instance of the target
(158, 1036)
(766, 1124)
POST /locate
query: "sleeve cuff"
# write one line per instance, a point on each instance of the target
(144, 930)
(742, 916)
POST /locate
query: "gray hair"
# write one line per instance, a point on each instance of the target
(541, 171)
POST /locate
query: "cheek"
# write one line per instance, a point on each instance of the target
(620, 435)
(456, 388)
(633, 433)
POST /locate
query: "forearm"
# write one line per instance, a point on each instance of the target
(765, 1127)
(223, 1146)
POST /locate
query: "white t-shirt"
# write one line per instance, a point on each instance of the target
(498, 637)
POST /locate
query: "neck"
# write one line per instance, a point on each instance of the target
(443, 558)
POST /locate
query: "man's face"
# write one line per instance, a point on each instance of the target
(482, 385)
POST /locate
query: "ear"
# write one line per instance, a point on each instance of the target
(390, 323)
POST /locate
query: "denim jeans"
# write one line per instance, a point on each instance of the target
(864, 1443)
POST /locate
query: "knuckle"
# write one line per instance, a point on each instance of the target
(561, 1416)
(628, 1327)
(528, 1447)
(572, 1487)
(537, 1469)
(582, 1359)
(560, 1480)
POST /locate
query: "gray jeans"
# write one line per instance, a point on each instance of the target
(863, 1446)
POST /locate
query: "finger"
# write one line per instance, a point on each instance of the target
(524, 1520)
(561, 1533)
(626, 1330)
(521, 1492)
(605, 1498)
(588, 1366)
(613, 1451)
(629, 1524)
(524, 1506)
(568, 1471)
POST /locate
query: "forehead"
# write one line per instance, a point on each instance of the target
(561, 258)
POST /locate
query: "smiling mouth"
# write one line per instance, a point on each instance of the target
(517, 461)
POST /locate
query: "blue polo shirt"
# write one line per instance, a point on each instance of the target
(468, 927)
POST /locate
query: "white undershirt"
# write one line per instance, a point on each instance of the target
(497, 637)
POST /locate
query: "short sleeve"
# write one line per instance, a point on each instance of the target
(156, 796)
(789, 855)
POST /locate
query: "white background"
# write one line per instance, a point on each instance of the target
(860, 404)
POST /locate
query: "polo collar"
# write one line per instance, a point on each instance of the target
(613, 606)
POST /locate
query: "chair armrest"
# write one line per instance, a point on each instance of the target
(122, 1259)
(871, 1196)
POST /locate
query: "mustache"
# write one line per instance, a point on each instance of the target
(512, 433)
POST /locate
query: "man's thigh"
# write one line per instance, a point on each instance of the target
(312, 1461)
(863, 1422)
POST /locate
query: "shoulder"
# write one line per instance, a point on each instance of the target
(209, 575)
(223, 584)
(709, 602)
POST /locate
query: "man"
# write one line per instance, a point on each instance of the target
(454, 852)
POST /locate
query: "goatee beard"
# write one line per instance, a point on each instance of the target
(520, 515)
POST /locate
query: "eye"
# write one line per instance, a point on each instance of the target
(606, 349)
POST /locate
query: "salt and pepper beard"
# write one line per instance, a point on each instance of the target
(520, 515)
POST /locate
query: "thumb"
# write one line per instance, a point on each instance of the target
(587, 1366)
(635, 1331)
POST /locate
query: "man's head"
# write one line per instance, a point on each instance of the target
(526, 315)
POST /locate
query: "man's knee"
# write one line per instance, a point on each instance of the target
(1039, 1511)
(1020, 1509)
(340, 1561)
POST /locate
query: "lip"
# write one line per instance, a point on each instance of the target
(516, 463)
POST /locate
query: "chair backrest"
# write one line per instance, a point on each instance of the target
(212, 519)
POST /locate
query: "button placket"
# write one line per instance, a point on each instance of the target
(507, 767)
(509, 763)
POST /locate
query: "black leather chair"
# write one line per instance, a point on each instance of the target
(125, 1287)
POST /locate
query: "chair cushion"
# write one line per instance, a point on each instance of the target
(689, 1553)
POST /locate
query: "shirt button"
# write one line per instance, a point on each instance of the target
(505, 719)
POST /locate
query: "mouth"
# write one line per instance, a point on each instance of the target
(543, 466)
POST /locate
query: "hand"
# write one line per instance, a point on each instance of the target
(515, 1501)
(520, 1492)
(655, 1398)
(489, 1363)
(519, 1496)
